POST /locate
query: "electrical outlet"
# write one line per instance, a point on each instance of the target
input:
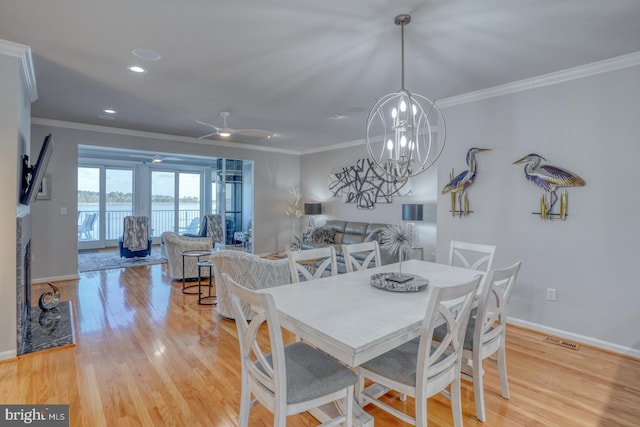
(551, 294)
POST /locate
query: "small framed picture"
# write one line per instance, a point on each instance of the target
(44, 192)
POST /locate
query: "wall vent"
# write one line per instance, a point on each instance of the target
(562, 343)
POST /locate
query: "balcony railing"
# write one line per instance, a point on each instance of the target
(161, 220)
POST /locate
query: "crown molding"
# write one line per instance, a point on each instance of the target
(612, 64)
(22, 52)
(155, 135)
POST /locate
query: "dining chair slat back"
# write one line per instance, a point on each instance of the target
(475, 256)
(369, 250)
(308, 264)
(290, 379)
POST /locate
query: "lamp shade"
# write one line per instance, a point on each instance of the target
(412, 212)
(313, 208)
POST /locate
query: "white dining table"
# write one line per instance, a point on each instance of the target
(355, 322)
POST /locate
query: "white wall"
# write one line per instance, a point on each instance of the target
(590, 126)
(55, 236)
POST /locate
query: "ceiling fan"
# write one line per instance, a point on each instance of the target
(156, 158)
(225, 131)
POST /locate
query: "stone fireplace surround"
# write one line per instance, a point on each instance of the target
(23, 277)
(36, 329)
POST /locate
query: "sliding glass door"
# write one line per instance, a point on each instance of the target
(105, 197)
(175, 200)
(113, 184)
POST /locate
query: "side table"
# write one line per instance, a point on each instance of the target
(209, 299)
(197, 254)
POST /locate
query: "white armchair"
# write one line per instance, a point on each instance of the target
(251, 271)
(174, 244)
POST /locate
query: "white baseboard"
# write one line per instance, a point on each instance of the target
(9, 354)
(605, 345)
(55, 279)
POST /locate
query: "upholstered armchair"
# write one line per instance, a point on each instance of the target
(248, 270)
(210, 226)
(174, 244)
(136, 239)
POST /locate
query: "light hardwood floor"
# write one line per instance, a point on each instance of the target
(147, 355)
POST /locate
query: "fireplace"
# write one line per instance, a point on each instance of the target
(23, 279)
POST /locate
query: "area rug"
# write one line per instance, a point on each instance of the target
(93, 261)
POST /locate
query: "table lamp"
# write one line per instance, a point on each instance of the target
(312, 209)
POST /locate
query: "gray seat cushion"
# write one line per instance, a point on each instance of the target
(312, 373)
(440, 331)
(399, 364)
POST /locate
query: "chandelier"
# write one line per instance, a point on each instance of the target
(401, 126)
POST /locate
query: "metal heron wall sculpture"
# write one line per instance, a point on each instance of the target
(459, 184)
(549, 178)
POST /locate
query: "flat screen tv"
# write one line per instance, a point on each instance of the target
(32, 175)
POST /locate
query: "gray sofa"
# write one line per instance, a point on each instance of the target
(336, 232)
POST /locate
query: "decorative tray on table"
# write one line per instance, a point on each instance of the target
(404, 283)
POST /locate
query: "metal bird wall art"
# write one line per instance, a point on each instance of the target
(549, 178)
(460, 183)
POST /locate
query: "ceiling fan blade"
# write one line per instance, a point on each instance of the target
(208, 124)
(256, 133)
(207, 135)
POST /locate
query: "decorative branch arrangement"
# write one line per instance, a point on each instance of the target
(549, 178)
(294, 211)
(458, 185)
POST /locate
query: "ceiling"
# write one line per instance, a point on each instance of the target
(307, 71)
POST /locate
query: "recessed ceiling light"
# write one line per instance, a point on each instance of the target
(337, 116)
(109, 111)
(149, 54)
(137, 69)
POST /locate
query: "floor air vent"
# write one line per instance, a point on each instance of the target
(562, 343)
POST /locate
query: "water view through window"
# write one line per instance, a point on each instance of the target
(106, 196)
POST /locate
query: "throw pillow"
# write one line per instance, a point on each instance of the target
(308, 237)
(375, 235)
(322, 235)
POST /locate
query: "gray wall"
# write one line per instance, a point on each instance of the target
(54, 235)
(590, 126)
(315, 188)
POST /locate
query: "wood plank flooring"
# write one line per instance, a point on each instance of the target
(147, 355)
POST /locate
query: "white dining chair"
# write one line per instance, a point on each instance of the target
(291, 379)
(360, 256)
(421, 368)
(486, 333)
(475, 256)
(308, 264)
